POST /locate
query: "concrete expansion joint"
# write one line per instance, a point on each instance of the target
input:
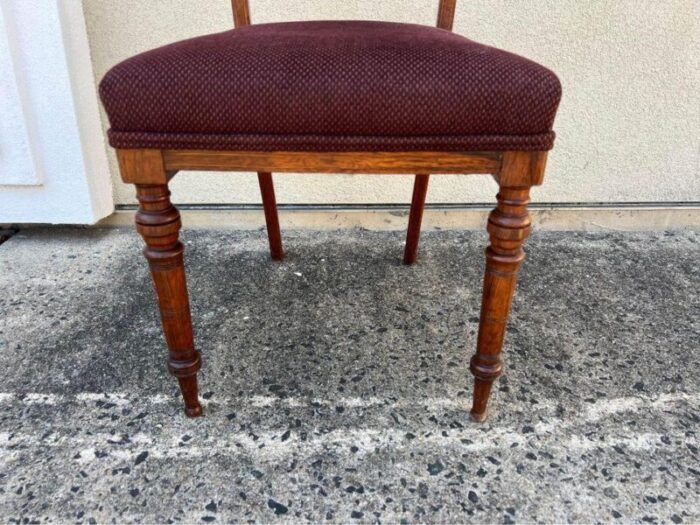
(661, 216)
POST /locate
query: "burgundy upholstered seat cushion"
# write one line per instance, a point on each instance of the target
(333, 86)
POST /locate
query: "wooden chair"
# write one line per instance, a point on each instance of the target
(413, 99)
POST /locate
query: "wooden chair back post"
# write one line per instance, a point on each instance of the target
(446, 13)
(241, 12)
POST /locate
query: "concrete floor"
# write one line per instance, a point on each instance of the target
(336, 384)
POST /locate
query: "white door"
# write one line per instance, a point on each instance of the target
(53, 163)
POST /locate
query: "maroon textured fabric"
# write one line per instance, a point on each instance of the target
(331, 86)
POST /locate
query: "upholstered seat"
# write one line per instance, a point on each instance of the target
(331, 86)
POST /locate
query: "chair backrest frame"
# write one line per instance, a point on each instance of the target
(445, 20)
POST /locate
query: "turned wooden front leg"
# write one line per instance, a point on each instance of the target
(508, 226)
(158, 222)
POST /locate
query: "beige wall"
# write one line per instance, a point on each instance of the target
(628, 128)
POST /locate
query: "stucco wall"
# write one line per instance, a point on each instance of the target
(628, 128)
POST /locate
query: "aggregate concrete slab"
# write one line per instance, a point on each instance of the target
(336, 384)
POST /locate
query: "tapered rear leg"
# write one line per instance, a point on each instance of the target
(267, 190)
(415, 218)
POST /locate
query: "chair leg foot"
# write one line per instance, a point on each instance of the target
(267, 190)
(508, 226)
(415, 218)
(188, 387)
(478, 418)
(482, 390)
